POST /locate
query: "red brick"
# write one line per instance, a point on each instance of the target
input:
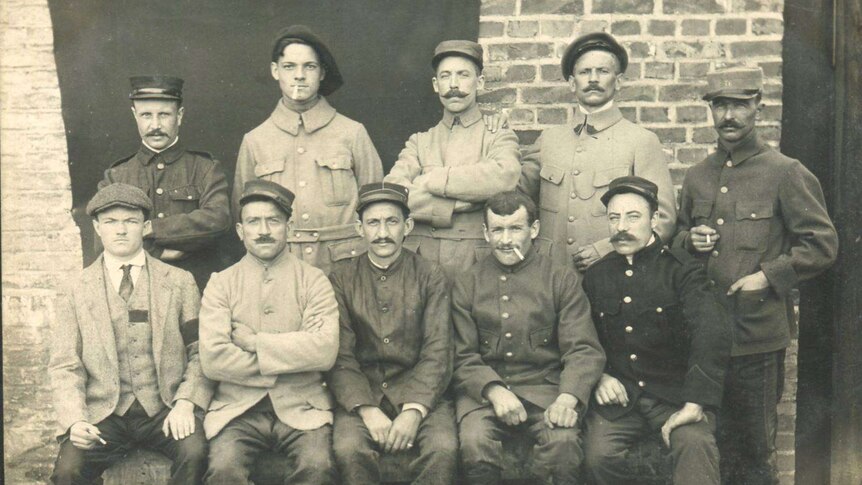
(652, 114)
(557, 94)
(670, 135)
(633, 71)
(522, 28)
(693, 70)
(771, 113)
(786, 463)
(757, 5)
(531, 7)
(695, 27)
(638, 50)
(705, 134)
(636, 93)
(756, 48)
(691, 114)
(520, 73)
(626, 27)
(491, 29)
(730, 26)
(767, 26)
(690, 156)
(552, 116)
(552, 72)
(587, 26)
(692, 6)
(498, 52)
(522, 116)
(771, 68)
(658, 70)
(769, 133)
(558, 28)
(528, 51)
(623, 6)
(493, 74)
(497, 7)
(662, 27)
(504, 96)
(680, 92)
(772, 92)
(630, 113)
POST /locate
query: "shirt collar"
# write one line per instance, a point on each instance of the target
(467, 118)
(647, 253)
(750, 146)
(114, 264)
(280, 259)
(600, 120)
(393, 266)
(169, 155)
(314, 119)
(528, 258)
(604, 107)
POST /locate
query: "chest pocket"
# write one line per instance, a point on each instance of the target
(598, 187)
(268, 169)
(488, 342)
(184, 199)
(606, 313)
(336, 179)
(752, 225)
(542, 337)
(700, 211)
(550, 188)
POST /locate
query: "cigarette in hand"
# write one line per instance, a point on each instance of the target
(520, 256)
(97, 437)
(296, 91)
(708, 240)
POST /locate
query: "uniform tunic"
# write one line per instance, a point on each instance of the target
(322, 157)
(567, 173)
(191, 210)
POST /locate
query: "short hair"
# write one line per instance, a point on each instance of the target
(145, 212)
(436, 63)
(262, 198)
(507, 203)
(278, 48)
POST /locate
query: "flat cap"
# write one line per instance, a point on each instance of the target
(632, 185)
(589, 42)
(118, 194)
(382, 192)
(332, 79)
(264, 189)
(156, 87)
(737, 83)
(463, 48)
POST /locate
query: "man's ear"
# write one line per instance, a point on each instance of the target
(534, 229)
(273, 69)
(435, 85)
(180, 113)
(148, 226)
(571, 80)
(322, 73)
(654, 221)
(480, 82)
(357, 225)
(485, 233)
(96, 224)
(408, 226)
(239, 231)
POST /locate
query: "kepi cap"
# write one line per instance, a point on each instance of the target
(156, 87)
(633, 185)
(255, 189)
(332, 79)
(382, 192)
(463, 48)
(592, 41)
(737, 83)
(119, 194)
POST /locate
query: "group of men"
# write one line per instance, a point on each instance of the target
(474, 293)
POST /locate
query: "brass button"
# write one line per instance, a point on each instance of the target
(715, 254)
(508, 335)
(720, 221)
(723, 190)
(659, 310)
(505, 297)
(267, 310)
(571, 218)
(384, 309)
(503, 278)
(570, 240)
(300, 150)
(383, 278)
(627, 299)
(505, 315)
(386, 340)
(161, 215)
(160, 191)
(629, 329)
(576, 172)
(579, 149)
(160, 166)
(641, 384)
(729, 163)
(509, 354)
(384, 385)
(629, 272)
(305, 217)
(753, 215)
(633, 357)
(302, 183)
(308, 250)
(353, 252)
(314, 234)
(573, 195)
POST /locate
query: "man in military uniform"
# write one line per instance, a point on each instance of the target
(758, 221)
(187, 188)
(569, 167)
(306, 146)
(667, 342)
(454, 167)
(395, 359)
(526, 351)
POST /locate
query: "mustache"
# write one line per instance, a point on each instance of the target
(157, 133)
(622, 236)
(593, 87)
(264, 239)
(455, 93)
(383, 240)
(730, 124)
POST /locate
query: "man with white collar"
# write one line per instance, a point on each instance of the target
(187, 188)
(569, 167)
(124, 362)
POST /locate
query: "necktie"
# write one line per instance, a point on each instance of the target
(126, 285)
(580, 128)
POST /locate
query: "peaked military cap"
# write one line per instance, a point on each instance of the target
(737, 83)
(119, 194)
(632, 185)
(255, 189)
(592, 41)
(332, 79)
(463, 48)
(156, 87)
(382, 192)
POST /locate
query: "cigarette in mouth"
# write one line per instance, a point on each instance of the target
(518, 253)
(708, 240)
(295, 91)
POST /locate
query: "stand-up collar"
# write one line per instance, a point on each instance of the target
(314, 119)
(169, 155)
(601, 120)
(281, 258)
(528, 258)
(748, 147)
(392, 268)
(647, 253)
(465, 119)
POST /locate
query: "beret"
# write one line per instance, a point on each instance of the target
(738, 83)
(332, 79)
(633, 185)
(156, 87)
(119, 194)
(463, 48)
(382, 192)
(589, 42)
(278, 194)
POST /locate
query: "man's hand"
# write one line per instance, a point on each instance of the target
(495, 120)
(402, 433)
(611, 391)
(377, 422)
(703, 238)
(462, 206)
(507, 406)
(180, 422)
(172, 255)
(752, 282)
(85, 436)
(690, 413)
(585, 256)
(244, 337)
(562, 412)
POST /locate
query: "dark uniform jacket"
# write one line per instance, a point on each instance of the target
(527, 327)
(662, 329)
(771, 216)
(395, 333)
(190, 204)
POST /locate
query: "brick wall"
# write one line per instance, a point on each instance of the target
(672, 44)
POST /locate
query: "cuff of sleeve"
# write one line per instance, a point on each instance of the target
(579, 391)
(701, 389)
(442, 211)
(437, 180)
(780, 274)
(478, 385)
(415, 405)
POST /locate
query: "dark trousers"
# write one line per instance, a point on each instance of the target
(557, 453)
(234, 449)
(748, 419)
(692, 446)
(358, 456)
(125, 433)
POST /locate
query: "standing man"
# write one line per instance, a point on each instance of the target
(307, 147)
(188, 189)
(757, 220)
(569, 167)
(667, 342)
(526, 351)
(454, 167)
(395, 359)
(124, 362)
(269, 329)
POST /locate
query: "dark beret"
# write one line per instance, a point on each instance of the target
(256, 189)
(589, 42)
(382, 192)
(156, 87)
(633, 185)
(118, 194)
(332, 79)
(463, 48)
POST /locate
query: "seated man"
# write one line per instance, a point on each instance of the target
(269, 329)
(667, 341)
(124, 353)
(526, 351)
(395, 359)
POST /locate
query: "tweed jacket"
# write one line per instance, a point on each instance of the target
(291, 307)
(83, 365)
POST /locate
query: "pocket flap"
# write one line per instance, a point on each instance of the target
(552, 174)
(701, 208)
(346, 249)
(488, 339)
(268, 167)
(541, 337)
(188, 192)
(606, 306)
(604, 177)
(753, 210)
(336, 162)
